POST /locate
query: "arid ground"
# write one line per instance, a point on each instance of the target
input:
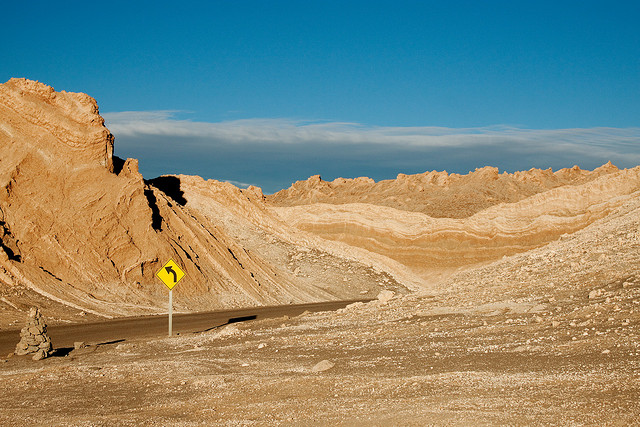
(411, 361)
(498, 298)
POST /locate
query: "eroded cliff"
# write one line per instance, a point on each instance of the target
(440, 223)
(83, 234)
(81, 228)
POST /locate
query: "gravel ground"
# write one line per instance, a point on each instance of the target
(411, 361)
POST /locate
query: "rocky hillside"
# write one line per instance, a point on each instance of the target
(442, 223)
(437, 194)
(82, 234)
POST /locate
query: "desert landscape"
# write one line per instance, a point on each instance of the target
(487, 299)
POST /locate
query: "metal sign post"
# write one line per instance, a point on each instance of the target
(170, 312)
(170, 274)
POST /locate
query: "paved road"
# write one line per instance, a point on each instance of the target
(63, 336)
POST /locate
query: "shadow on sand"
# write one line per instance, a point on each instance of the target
(230, 321)
(65, 351)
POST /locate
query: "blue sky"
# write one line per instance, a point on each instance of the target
(269, 92)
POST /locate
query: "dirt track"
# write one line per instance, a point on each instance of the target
(129, 328)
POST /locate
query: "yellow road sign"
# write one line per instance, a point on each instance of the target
(170, 274)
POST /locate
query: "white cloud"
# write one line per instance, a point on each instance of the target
(286, 131)
(237, 183)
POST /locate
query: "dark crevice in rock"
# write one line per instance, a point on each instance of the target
(8, 243)
(236, 258)
(10, 254)
(189, 257)
(156, 218)
(50, 273)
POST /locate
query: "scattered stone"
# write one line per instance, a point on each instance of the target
(385, 296)
(325, 365)
(607, 351)
(261, 345)
(595, 293)
(40, 354)
(33, 337)
(354, 305)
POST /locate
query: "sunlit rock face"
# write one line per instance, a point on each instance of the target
(437, 194)
(83, 228)
(81, 231)
(435, 223)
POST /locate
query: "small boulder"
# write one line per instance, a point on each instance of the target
(595, 293)
(40, 354)
(325, 365)
(385, 296)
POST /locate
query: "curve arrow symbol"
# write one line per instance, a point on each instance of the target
(171, 271)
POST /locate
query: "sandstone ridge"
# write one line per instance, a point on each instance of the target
(437, 194)
(82, 233)
(433, 247)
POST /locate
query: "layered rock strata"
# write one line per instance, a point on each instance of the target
(83, 229)
(91, 233)
(436, 194)
(434, 247)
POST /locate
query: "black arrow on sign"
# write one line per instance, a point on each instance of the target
(175, 275)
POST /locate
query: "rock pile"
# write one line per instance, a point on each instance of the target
(34, 338)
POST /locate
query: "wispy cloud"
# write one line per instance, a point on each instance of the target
(237, 183)
(165, 123)
(282, 150)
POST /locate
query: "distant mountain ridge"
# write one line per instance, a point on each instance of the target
(437, 194)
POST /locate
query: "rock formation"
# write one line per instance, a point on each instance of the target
(81, 230)
(33, 337)
(432, 247)
(82, 234)
(436, 194)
